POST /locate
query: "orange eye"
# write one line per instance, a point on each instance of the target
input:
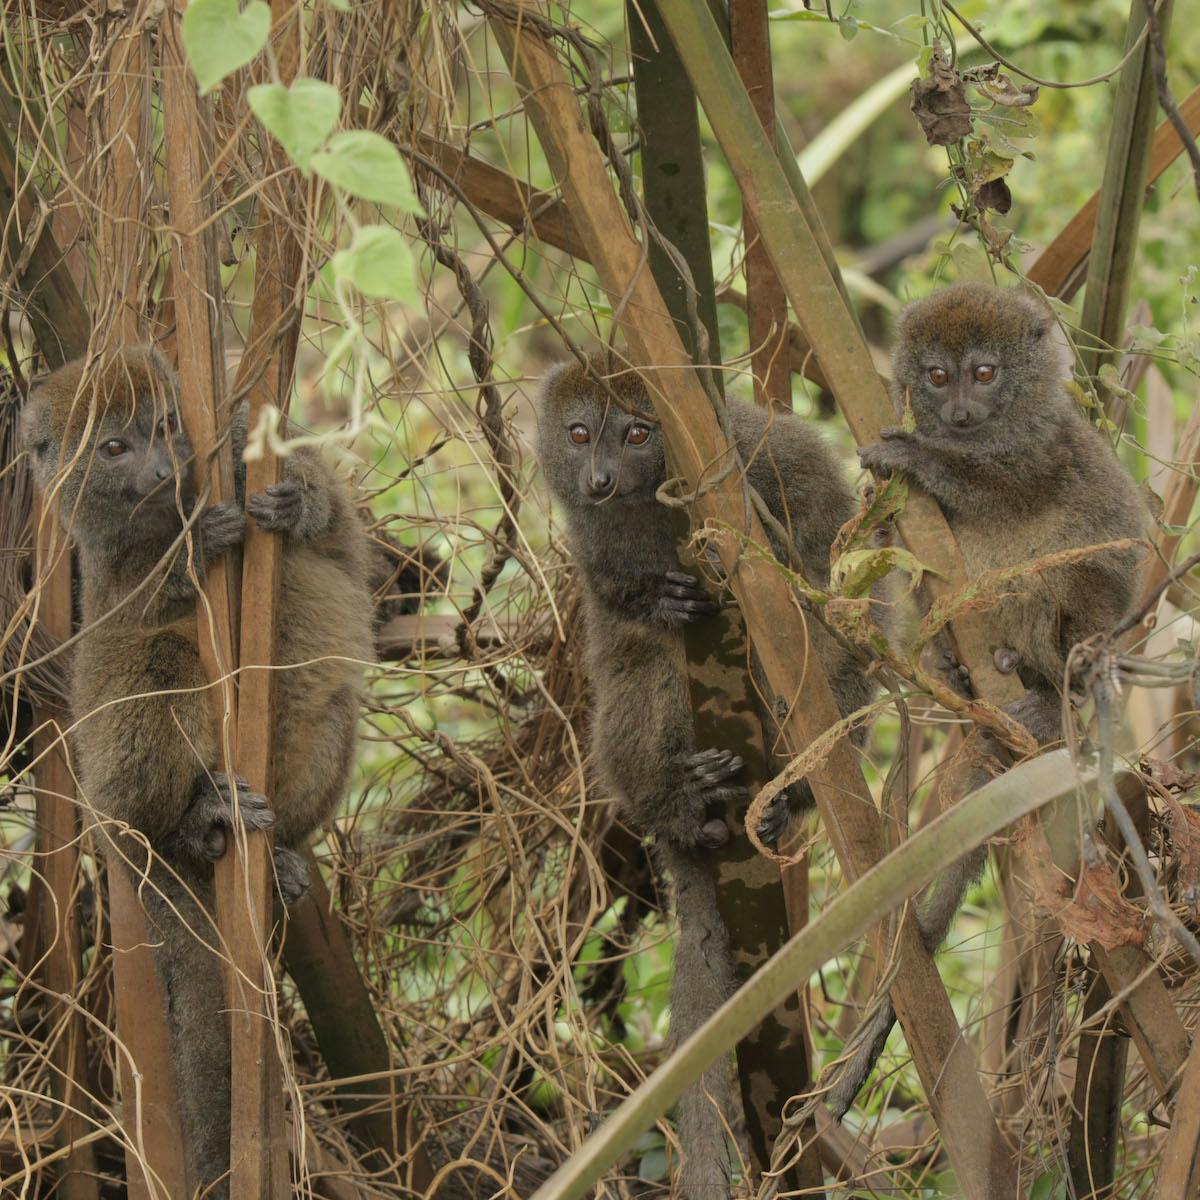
(937, 376)
(637, 435)
(985, 372)
(579, 435)
(114, 447)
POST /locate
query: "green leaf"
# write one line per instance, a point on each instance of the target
(299, 118)
(379, 263)
(219, 38)
(848, 28)
(1012, 122)
(653, 1166)
(367, 165)
(1143, 338)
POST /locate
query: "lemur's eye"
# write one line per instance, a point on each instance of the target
(937, 376)
(579, 434)
(985, 372)
(637, 435)
(114, 447)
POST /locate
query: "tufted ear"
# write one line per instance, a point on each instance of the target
(35, 419)
(552, 378)
(37, 434)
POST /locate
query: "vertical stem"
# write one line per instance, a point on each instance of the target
(1122, 193)
(243, 878)
(154, 1168)
(766, 301)
(1099, 1088)
(673, 177)
(122, 180)
(58, 862)
(347, 1029)
(773, 1062)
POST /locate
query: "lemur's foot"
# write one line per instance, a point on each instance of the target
(684, 599)
(1007, 660)
(291, 875)
(955, 673)
(704, 794)
(775, 820)
(203, 834)
(279, 508)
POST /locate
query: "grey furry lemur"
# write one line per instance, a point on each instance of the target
(603, 460)
(1020, 473)
(106, 438)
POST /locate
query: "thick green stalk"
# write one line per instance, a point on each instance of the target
(1122, 193)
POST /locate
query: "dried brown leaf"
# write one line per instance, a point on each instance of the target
(939, 102)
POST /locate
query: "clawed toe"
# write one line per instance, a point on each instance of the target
(774, 821)
(291, 875)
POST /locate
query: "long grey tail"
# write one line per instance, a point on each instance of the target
(703, 981)
(188, 965)
(937, 913)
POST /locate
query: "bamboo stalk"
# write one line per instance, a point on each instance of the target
(766, 302)
(243, 877)
(245, 889)
(1122, 194)
(1179, 1174)
(58, 857)
(943, 1057)
(54, 928)
(774, 1060)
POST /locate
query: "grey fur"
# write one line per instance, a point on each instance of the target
(1020, 473)
(149, 766)
(635, 603)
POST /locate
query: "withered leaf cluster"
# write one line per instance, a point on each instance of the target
(939, 102)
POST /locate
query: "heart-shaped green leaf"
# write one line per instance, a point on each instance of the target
(299, 117)
(379, 263)
(219, 37)
(366, 164)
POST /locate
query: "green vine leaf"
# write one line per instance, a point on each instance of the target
(299, 117)
(219, 38)
(367, 165)
(379, 263)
